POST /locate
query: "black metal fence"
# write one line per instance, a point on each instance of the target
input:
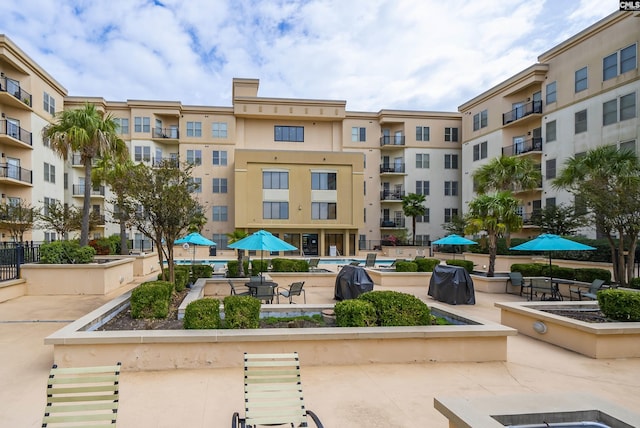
(14, 254)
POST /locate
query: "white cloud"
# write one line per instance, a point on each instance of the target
(375, 54)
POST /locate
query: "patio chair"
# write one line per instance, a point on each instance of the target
(517, 280)
(86, 395)
(591, 294)
(313, 264)
(371, 260)
(264, 292)
(295, 289)
(273, 392)
(236, 290)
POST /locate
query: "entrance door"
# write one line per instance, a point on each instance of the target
(310, 244)
(13, 168)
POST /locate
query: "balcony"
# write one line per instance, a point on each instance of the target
(526, 109)
(11, 93)
(15, 172)
(530, 145)
(165, 134)
(78, 190)
(391, 140)
(393, 196)
(392, 223)
(12, 134)
(98, 218)
(396, 168)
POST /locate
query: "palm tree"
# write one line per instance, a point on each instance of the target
(198, 221)
(507, 173)
(412, 206)
(496, 215)
(234, 236)
(87, 132)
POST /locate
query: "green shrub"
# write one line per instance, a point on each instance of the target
(259, 266)
(620, 305)
(66, 252)
(589, 274)
(241, 312)
(151, 299)
(106, 246)
(355, 313)
(466, 264)
(397, 309)
(202, 314)
(289, 265)
(426, 265)
(181, 274)
(232, 268)
(406, 267)
(634, 283)
(562, 272)
(202, 271)
(530, 269)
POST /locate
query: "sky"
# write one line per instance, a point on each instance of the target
(431, 55)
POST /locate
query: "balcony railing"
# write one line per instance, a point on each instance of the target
(531, 145)
(78, 190)
(16, 173)
(388, 195)
(156, 162)
(392, 222)
(12, 87)
(522, 111)
(392, 140)
(99, 218)
(14, 131)
(169, 133)
(392, 168)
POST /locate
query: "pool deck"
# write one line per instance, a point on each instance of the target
(377, 395)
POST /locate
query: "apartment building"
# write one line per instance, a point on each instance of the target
(581, 94)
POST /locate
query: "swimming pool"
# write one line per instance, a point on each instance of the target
(343, 261)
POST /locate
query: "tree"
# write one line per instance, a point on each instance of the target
(17, 218)
(497, 215)
(507, 173)
(198, 221)
(412, 206)
(607, 181)
(161, 198)
(90, 134)
(456, 225)
(560, 219)
(62, 219)
(237, 235)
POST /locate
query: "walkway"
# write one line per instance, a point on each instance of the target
(386, 396)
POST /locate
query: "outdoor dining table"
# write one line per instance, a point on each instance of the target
(552, 286)
(254, 288)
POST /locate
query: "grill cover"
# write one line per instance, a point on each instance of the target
(453, 285)
(351, 282)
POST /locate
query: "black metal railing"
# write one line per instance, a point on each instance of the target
(392, 168)
(14, 131)
(526, 146)
(169, 133)
(14, 254)
(145, 245)
(392, 140)
(12, 87)
(392, 222)
(78, 190)
(521, 111)
(389, 195)
(15, 172)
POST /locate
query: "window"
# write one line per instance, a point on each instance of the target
(141, 124)
(49, 173)
(624, 60)
(422, 160)
(551, 131)
(142, 154)
(275, 180)
(288, 133)
(65, 178)
(323, 210)
(449, 213)
(480, 120)
(450, 161)
(358, 134)
(219, 129)
(422, 188)
(451, 188)
(581, 80)
(610, 112)
(219, 213)
(628, 106)
(122, 125)
(551, 169)
(49, 103)
(194, 129)
(197, 184)
(580, 121)
(451, 134)
(219, 185)
(221, 240)
(628, 146)
(422, 239)
(551, 93)
(220, 157)
(275, 210)
(422, 133)
(550, 202)
(480, 151)
(323, 181)
(194, 157)
(424, 218)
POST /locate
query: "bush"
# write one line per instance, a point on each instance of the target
(466, 264)
(634, 283)
(397, 309)
(620, 305)
(181, 274)
(530, 269)
(202, 271)
(426, 265)
(355, 313)
(232, 268)
(289, 265)
(259, 266)
(106, 246)
(202, 314)
(589, 274)
(406, 267)
(562, 272)
(151, 299)
(241, 312)
(66, 252)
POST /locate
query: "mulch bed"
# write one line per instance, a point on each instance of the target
(586, 316)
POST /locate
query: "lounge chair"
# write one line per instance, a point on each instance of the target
(235, 288)
(273, 392)
(86, 395)
(295, 289)
(313, 264)
(591, 294)
(517, 280)
(371, 260)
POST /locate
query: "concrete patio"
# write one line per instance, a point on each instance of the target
(380, 395)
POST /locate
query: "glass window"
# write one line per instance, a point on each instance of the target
(628, 146)
(610, 66)
(422, 160)
(451, 161)
(323, 210)
(194, 129)
(580, 121)
(323, 181)
(221, 240)
(197, 184)
(358, 134)
(49, 173)
(422, 133)
(551, 93)
(550, 131)
(219, 213)
(581, 80)
(142, 124)
(551, 169)
(122, 125)
(194, 157)
(610, 112)
(480, 120)
(219, 129)
(451, 134)
(422, 188)
(219, 185)
(289, 133)
(275, 180)
(628, 106)
(480, 151)
(449, 213)
(275, 210)
(220, 157)
(49, 103)
(628, 59)
(451, 188)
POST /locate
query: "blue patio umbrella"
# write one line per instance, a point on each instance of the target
(454, 239)
(262, 241)
(193, 239)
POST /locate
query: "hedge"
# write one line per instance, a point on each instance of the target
(397, 309)
(620, 305)
(241, 312)
(406, 267)
(289, 265)
(466, 264)
(151, 299)
(66, 252)
(202, 314)
(579, 274)
(355, 313)
(426, 265)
